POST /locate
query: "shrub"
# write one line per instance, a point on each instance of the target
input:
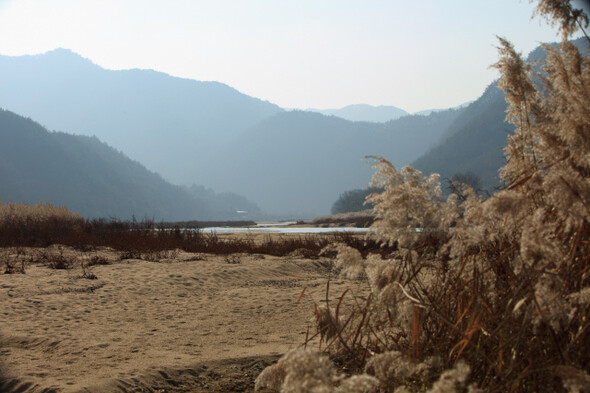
(233, 259)
(98, 260)
(86, 273)
(13, 265)
(58, 260)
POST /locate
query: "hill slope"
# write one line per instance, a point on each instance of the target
(475, 141)
(86, 176)
(299, 162)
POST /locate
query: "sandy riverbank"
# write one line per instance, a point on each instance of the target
(195, 322)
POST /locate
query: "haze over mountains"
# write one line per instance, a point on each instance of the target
(364, 112)
(210, 135)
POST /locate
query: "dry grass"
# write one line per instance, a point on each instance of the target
(43, 226)
(488, 295)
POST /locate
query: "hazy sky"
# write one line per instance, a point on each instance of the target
(299, 53)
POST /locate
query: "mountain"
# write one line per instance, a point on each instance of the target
(299, 162)
(207, 133)
(427, 112)
(364, 112)
(475, 141)
(88, 176)
(168, 124)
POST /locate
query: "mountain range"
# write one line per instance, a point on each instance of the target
(209, 134)
(166, 123)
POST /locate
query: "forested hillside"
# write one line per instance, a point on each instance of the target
(475, 141)
(87, 176)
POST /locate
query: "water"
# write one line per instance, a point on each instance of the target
(273, 228)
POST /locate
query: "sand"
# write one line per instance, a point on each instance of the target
(191, 323)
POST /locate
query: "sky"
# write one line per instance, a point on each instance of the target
(321, 54)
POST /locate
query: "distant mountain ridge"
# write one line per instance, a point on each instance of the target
(364, 112)
(89, 177)
(147, 114)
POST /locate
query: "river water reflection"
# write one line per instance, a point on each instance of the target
(281, 229)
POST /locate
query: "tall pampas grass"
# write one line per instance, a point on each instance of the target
(480, 295)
